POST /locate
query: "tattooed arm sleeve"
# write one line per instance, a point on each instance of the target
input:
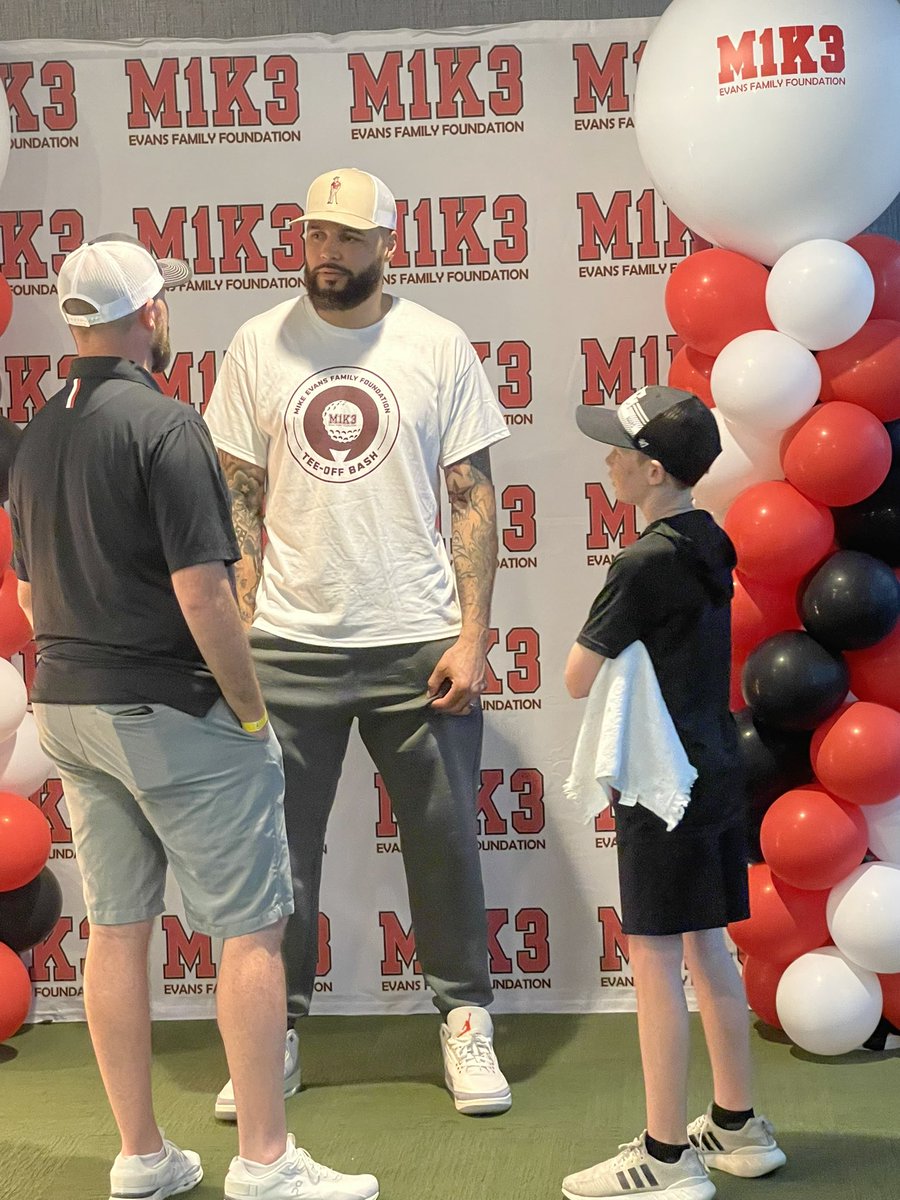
(473, 538)
(247, 484)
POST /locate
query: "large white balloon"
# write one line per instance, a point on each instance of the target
(820, 293)
(864, 917)
(5, 130)
(745, 460)
(13, 696)
(883, 821)
(762, 122)
(23, 764)
(765, 380)
(826, 1004)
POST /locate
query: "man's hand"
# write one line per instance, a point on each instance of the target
(458, 679)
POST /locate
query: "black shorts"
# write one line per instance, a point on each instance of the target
(681, 881)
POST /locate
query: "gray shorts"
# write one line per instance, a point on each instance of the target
(149, 786)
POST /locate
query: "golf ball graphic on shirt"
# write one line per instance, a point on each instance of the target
(341, 423)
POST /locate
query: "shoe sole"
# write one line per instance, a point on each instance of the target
(227, 1112)
(744, 1164)
(161, 1193)
(705, 1190)
(473, 1106)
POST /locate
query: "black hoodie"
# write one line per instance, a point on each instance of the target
(672, 591)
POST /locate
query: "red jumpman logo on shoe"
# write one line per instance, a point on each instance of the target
(467, 1028)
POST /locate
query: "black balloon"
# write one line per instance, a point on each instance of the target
(873, 525)
(791, 682)
(27, 914)
(851, 602)
(773, 762)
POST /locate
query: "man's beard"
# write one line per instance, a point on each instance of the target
(355, 291)
(160, 349)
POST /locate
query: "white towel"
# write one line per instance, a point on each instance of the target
(628, 742)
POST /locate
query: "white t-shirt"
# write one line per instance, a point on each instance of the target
(352, 426)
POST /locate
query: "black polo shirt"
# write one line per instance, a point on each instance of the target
(114, 487)
(672, 591)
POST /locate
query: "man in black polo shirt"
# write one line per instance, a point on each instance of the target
(146, 698)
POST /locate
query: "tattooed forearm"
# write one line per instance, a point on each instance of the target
(473, 537)
(247, 484)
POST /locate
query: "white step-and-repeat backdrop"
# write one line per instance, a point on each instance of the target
(527, 217)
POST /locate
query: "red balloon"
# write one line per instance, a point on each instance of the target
(883, 256)
(865, 370)
(858, 759)
(714, 296)
(24, 841)
(15, 629)
(758, 611)
(875, 671)
(784, 921)
(6, 541)
(890, 990)
(838, 454)
(761, 983)
(15, 992)
(6, 304)
(819, 736)
(779, 535)
(690, 371)
(811, 840)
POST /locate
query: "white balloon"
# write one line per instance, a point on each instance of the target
(23, 764)
(826, 1004)
(820, 293)
(883, 821)
(765, 380)
(864, 917)
(13, 697)
(745, 459)
(759, 141)
(5, 126)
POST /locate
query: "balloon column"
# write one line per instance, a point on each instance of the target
(791, 331)
(30, 897)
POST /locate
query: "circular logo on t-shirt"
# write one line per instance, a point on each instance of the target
(342, 423)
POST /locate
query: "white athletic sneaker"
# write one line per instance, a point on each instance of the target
(748, 1152)
(296, 1177)
(179, 1171)
(635, 1171)
(225, 1109)
(471, 1071)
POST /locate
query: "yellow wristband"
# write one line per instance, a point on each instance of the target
(255, 726)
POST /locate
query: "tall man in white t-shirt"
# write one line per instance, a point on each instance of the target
(334, 415)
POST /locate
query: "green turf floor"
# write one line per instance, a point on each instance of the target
(373, 1101)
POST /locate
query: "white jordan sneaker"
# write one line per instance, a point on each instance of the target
(471, 1071)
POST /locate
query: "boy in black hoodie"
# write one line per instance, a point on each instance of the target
(671, 590)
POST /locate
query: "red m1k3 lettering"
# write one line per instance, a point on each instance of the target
(218, 90)
(783, 51)
(437, 85)
(49, 101)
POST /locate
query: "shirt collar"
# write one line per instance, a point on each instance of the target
(101, 367)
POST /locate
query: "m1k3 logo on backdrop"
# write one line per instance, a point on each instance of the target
(57, 963)
(613, 949)
(627, 234)
(204, 101)
(43, 107)
(789, 56)
(189, 968)
(604, 91)
(460, 239)
(325, 958)
(341, 423)
(510, 812)
(508, 367)
(447, 91)
(518, 951)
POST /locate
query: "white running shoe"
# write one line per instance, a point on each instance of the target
(225, 1108)
(635, 1171)
(749, 1152)
(471, 1071)
(178, 1172)
(296, 1177)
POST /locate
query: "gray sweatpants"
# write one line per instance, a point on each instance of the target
(430, 764)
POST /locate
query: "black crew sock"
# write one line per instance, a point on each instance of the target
(728, 1118)
(664, 1151)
